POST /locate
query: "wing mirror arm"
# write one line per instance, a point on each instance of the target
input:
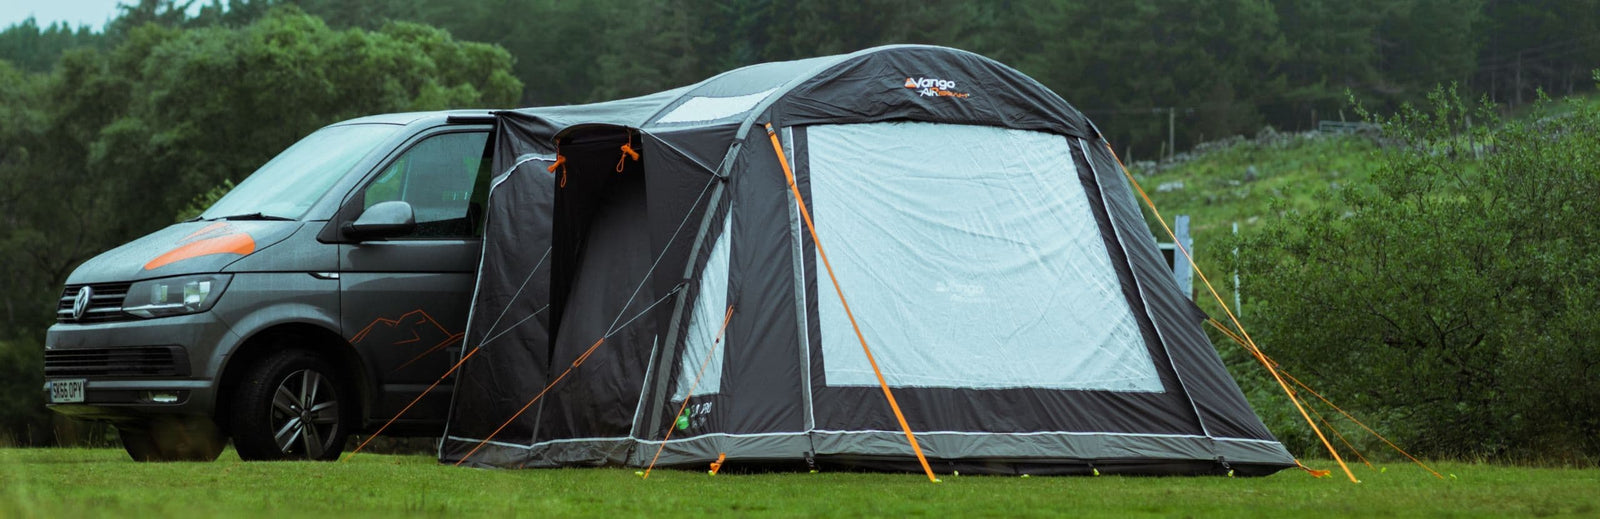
(382, 220)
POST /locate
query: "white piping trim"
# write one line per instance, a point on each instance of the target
(721, 435)
(546, 442)
(490, 442)
(895, 433)
(797, 253)
(1056, 433)
(1139, 286)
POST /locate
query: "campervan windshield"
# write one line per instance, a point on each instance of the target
(287, 186)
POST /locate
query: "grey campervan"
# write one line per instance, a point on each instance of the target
(320, 295)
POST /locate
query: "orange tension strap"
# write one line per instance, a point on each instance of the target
(1313, 472)
(1325, 400)
(1364, 426)
(806, 214)
(575, 364)
(1340, 436)
(430, 351)
(1251, 342)
(714, 343)
(1236, 338)
(413, 402)
(561, 162)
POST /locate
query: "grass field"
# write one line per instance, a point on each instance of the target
(104, 483)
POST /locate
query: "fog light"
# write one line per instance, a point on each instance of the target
(159, 397)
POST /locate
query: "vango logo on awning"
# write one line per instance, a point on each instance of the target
(935, 87)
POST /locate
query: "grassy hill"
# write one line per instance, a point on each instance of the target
(1238, 180)
(1246, 181)
(1250, 181)
(1243, 181)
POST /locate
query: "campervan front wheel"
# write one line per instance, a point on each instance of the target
(292, 405)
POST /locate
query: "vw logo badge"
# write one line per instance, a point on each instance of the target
(80, 304)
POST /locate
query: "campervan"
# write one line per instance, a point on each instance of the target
(321, 295)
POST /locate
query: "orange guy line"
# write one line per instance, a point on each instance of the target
(806, 214)
(1235, 319)
(413, 402)
(714, 343)
(575, 364)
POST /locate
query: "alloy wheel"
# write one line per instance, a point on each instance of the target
(305, 414)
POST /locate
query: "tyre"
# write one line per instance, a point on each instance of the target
(292, 405)
(172, 438)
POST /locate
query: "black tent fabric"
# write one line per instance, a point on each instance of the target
(979, 229)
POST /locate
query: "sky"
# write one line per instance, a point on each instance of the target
(93, 13)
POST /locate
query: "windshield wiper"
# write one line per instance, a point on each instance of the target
(253, 216)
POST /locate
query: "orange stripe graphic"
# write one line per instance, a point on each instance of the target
(240, 244)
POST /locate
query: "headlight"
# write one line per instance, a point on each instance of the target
(175, 296)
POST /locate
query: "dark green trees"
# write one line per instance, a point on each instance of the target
(112, 143)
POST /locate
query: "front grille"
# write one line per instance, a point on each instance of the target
(141, 361)
(105, 305)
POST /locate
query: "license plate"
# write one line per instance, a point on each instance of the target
(66, 391)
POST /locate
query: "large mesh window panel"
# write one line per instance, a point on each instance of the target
(971, 259)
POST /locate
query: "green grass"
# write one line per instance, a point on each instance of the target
(1292, 172)
(100, 483)
(1297, 170)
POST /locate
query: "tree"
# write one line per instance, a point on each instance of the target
(208, 105)
(1533, 44)
(1423, 43)
(1217, 60)
(35, 49)
(114, 142)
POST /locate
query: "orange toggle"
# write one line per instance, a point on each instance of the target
(717, 465)
(1314, 472)
(627, 153)
(561, 162)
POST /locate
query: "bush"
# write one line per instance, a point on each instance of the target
(23, 418)
(1453, 300)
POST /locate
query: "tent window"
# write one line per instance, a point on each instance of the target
(971, 259)
(700, 109)
(709, 308)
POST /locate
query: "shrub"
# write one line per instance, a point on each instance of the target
(1453, 300)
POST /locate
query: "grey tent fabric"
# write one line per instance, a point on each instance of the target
(978, 227)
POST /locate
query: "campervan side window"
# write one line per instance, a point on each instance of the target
(438, 177)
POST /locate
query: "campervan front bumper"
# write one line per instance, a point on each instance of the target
(133, 369)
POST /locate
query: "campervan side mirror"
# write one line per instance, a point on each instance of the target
(382, 220)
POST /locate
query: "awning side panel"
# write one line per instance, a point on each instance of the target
(509, 323)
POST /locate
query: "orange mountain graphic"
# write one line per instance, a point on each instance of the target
(911, 83)
(414, 327)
